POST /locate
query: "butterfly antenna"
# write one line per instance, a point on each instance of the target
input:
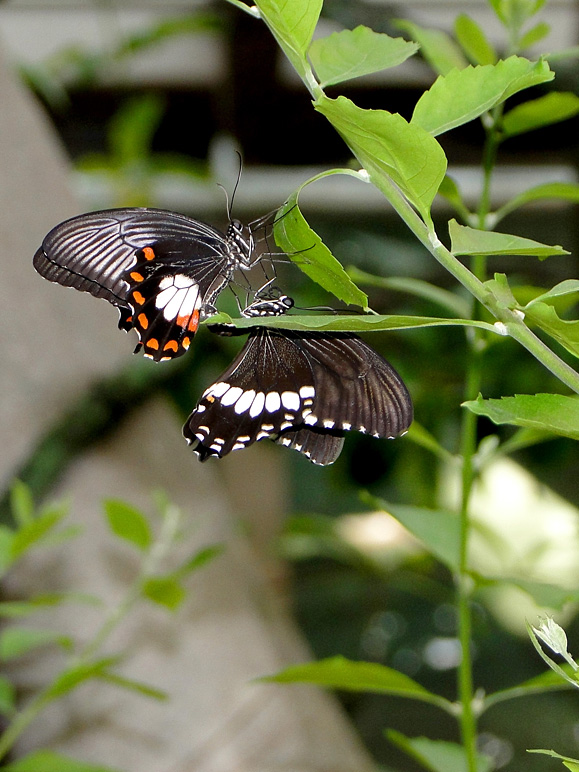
(238, 180)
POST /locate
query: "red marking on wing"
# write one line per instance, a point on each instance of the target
(190, 323)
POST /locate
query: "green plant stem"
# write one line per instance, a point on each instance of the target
(464, 584)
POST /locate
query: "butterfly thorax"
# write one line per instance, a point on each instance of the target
(241, 244)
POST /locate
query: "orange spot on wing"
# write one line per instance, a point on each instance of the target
(143, 321)
(190, 323)
(138, 298)
(149, 253)
(186, 341)
(171, 345)
(136, 276)
(152, 343)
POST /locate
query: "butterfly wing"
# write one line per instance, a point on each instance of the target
(302, 390)
(175, 264)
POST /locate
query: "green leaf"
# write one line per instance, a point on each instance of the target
(21, 503)
(306, 250)
(7, 536)
(39, 530)
(438, 530)
(128, 523)
(534, 35)
(546, 595)
(14, 609)
(49, 761)
(69, 679)
(386, 144)
(471, 241)
(341, 673)
(548, 412)
(368, 323)
(438, 755)
(7, 697)
(514, 13)
(199, 559)
(565, 191)
(499, 286)
(544, 111)
(438, 48)
(549, 681)
(462, 95)
(567, 287)
(292, 23)
(473, 40)
(564, 332)
(165, 591)
(17, 641)
(352, 53)
(133, 686)
(450, 191)
(571, 764)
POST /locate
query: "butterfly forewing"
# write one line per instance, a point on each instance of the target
(303, 390)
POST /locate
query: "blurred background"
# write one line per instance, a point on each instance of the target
(151, 100)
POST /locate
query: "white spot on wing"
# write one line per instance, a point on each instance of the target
(245, 401)
(231, 396)
(307, 391)
(291, 400)
(217, 390)
(272, 402)
(257, 405)
(183, 303)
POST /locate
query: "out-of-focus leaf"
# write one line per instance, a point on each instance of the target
(352, 53)
(544, 111)
(438, 48)
(49, 761)
(165, 591)
(342, 673)
(128, 523)
(438, 755)
(473, 40)
(17, 641)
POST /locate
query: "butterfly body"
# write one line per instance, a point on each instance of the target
(162, 270)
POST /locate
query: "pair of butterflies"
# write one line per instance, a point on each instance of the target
(164, 272)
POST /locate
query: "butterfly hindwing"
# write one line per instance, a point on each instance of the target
(302, 389)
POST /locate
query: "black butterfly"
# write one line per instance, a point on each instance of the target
(301, 389)
(161, 269)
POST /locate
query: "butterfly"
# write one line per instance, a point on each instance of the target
(303, 390)
(162, 270)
